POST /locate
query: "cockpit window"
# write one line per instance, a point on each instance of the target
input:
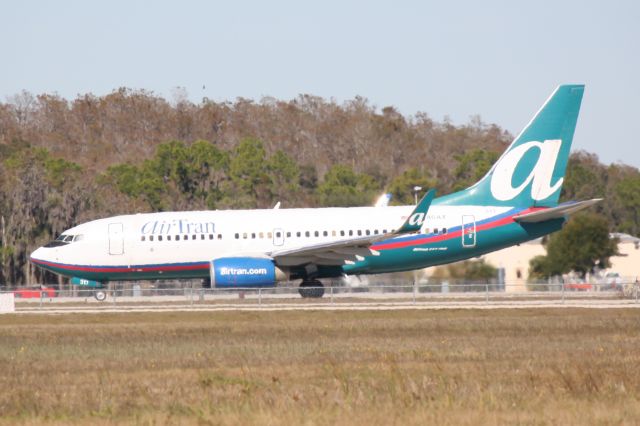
(56, 243)
(64, 239)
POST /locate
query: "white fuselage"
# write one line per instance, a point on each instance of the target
(199, 236)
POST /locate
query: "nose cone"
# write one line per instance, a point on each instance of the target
(45, 258)
(39, 257)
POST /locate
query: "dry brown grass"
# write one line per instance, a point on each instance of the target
(562, 366)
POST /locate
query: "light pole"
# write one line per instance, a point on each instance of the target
(416, 189)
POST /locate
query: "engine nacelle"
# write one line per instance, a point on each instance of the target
(232, 272)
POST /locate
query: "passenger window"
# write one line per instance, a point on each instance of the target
(444, 230)
(278, 234)
(325, 234)
(269, 235)
(219, 236)
(359, 232)
(333, 233)
(193, 237)
(159, 237)
(317, 234)
(143, 238)
(150, 237)
(288, 234)
(342, 233)
(307, 234)
(253, 235)
(384, 231)
(261, 235)
(211, 236)
(298, 234)
(367, 232)
(202, 236)
(375, 232)
(244, 236)
(237, 236)
(177, 237)
(350, 232)
(168, 237)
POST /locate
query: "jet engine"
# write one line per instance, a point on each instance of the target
(237, 272)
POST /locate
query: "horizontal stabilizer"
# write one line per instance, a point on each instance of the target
(562, 210)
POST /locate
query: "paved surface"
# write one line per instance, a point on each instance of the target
(325, 304)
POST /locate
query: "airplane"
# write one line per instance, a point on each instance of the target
(516, 201)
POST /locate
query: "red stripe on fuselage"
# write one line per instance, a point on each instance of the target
(159, 268)
(443, 237)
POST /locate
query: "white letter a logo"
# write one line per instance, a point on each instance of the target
(541, 173)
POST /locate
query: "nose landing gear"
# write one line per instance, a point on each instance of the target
(311, 289)
(100, 295)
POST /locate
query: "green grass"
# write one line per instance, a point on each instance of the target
(557, 366)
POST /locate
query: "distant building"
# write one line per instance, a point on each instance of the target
(515, 260)
(628, 263)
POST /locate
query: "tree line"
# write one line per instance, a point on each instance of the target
(65, 162)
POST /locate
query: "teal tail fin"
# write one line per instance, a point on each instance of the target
(531, 171)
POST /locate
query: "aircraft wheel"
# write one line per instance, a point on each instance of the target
(311, 289)
(100, 295)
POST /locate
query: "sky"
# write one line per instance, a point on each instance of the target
(496, 59)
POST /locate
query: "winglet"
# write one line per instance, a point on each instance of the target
(414, 222)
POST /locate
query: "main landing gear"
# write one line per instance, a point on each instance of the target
(311, 288)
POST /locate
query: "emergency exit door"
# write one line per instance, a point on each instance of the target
(278, 237)
(116, 239)
(468, 231)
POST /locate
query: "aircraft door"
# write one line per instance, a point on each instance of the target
(278, 237)
(116, 239)
(468, 231)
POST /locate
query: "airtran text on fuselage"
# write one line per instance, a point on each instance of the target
(177, 226)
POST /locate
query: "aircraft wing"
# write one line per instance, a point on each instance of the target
(350, 250)
(331, 253)
(565, 209)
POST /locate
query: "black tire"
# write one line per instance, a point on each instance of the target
(311, 289)
(100, 295)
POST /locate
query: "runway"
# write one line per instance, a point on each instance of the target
(94, 308)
